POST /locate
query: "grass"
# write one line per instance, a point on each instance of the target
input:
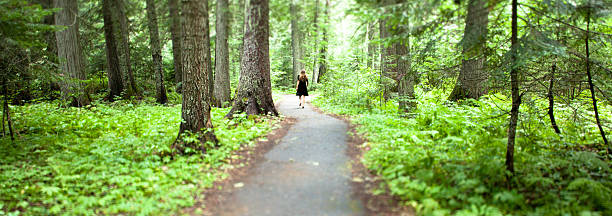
(108, 159)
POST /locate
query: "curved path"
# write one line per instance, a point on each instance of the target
(307, 173)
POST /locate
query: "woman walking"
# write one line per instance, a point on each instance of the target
(302, 87)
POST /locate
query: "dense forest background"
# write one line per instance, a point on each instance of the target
(476, 107)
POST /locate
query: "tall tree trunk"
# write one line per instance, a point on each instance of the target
(196, 107)
(222, 80)
(516, 97)
(115, 84)
(209, 64)
(590, 79)
(254, 93)
(160, 89)
(296, 43)
(473, 77)
(406, 76)
(323, 50)
(242, 18)
(69, 53)
(371, 47)
(125, 48)
(551, 100)
(315, 55)
(176, 35)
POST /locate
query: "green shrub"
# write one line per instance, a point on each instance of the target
(109, 159)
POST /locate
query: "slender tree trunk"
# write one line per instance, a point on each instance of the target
(69, 53)
(209, 64)
(315, 55)
(7, 110)
(516, 97)
(551, 100)
(323, 50)
(296, 44)
(473, 77)
(196, 107)
(115, 84)
(222, 80)
(371, 47)
(160, 89)
(254, 93)
(125, 48)
(243, 19)
(176, 35)
(590, 79)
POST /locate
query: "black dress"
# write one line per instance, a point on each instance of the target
(302, 89)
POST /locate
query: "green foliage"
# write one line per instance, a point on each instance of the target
(110, 159)
(449, 158)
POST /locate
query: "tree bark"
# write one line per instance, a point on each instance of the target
(160, 89)
(129, 81)
(209, 64)
(323, 50)
(115, 84)
(222, 80)
(196, 107)
(315, 55)
(69, 53)
(243, 18)
(254, 93)
(176, 36)
(406, 77)
(516, 97)
(296, 43)
(473, 77)
(590, 79)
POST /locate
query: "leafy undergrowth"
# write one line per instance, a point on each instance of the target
(105, 159)
(449, 159)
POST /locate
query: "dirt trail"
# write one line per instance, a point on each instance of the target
(307, 173)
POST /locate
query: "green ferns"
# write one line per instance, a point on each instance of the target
(110, 159)
(449, 159)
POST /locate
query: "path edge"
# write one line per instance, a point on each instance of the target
(207, 202)
(363, 182)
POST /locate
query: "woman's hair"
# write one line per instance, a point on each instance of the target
(303, 76)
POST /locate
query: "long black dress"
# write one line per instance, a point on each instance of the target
(302, 88)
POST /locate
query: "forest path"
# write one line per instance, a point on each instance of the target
(307, 173)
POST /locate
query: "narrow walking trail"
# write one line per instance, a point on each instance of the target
(307, 173)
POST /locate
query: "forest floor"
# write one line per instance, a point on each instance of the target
(310, 166)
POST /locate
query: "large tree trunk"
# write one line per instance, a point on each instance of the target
(196, 107)
(125, 48)
(176, 35)
(296, 39)
(473, 77)
(406, 76)
(590, 80)
(222, 81)
(516, 97)
(160, 89)
(115, 84)
(315, 54)
(323, 50)
(69, 53)
(254, 93)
